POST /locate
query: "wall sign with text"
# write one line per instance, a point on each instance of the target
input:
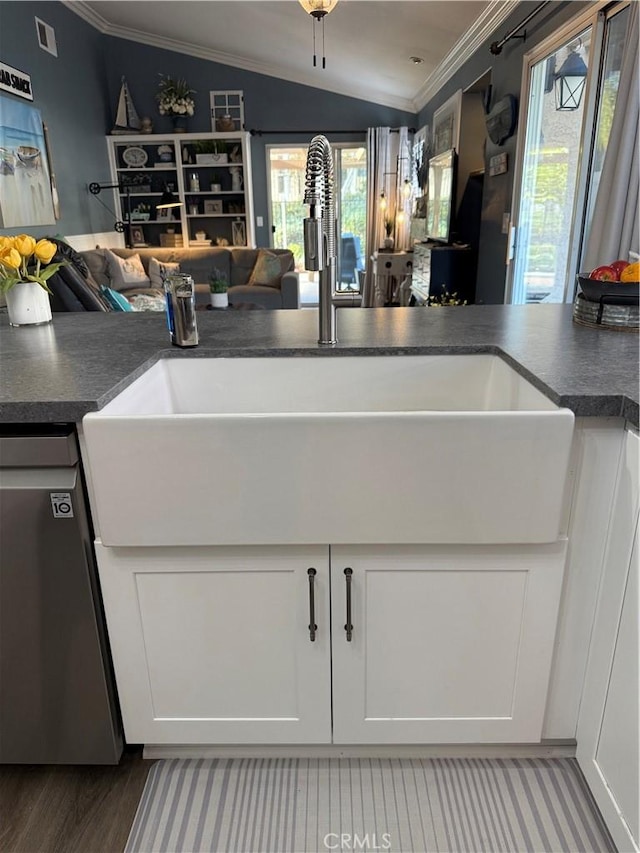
(16, 82)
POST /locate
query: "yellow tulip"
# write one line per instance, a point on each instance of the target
(45, 250)
(24, 244)
(5, 241)
(10, 258)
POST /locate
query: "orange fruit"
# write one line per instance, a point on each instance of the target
(631, 273)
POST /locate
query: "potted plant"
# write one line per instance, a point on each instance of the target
(218, 285)
(137, 183)
(204, 151)
(220, 151)
(216, 186)
(174, 100)
(23, 279)
(141, 212)
(444, 298)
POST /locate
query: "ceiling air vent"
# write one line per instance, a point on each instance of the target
(46, 37)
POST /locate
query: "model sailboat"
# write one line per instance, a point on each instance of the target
(127, 120)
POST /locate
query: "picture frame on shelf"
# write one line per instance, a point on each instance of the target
(164, 213)
(137, 236)
(213, 206)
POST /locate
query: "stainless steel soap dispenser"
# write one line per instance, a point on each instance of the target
(180, 294)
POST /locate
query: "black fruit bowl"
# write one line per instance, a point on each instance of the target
(594, 289)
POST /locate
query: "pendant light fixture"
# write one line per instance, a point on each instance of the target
(569, 82)
(318, 9)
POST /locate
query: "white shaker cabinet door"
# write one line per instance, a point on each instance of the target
(448, 645)
(212, 645)
(608, 727)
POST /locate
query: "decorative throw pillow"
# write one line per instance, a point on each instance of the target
(116, 300)
(158, 270)
(147, 302)
(125, 272)
(267, 270)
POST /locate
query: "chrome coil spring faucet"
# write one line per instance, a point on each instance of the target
(320, 235)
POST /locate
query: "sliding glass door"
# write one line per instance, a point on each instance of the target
(286, 179)
(560, 154)
(545, 220)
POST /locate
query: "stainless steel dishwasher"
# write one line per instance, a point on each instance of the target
(57, 696)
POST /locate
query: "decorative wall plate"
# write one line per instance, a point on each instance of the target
(134, 156)
(501, 121)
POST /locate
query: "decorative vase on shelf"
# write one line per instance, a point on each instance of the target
(28, 304)
(388, 243)
(236, 178)
(179, 124)
(225, 124)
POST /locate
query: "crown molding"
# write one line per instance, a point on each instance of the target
(141, 37)
(495, 14)
(88, 14)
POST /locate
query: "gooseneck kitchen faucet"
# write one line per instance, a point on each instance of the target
(320, 237)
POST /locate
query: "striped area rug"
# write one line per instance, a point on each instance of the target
(402, 805)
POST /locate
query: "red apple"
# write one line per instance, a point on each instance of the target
(604, 273)
(618, 266)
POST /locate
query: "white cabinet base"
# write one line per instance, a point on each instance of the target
(449, 645)
(211, 645)
(608, 727)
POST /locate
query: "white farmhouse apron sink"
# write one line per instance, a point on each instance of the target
(340, 449)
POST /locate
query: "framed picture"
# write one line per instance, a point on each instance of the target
(25, 186)
(164, 213)
(446, 124)
(213, 206)
(137, 236)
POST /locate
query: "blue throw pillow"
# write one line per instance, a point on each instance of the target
(116, 300)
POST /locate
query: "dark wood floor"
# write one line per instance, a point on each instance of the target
(51, 809)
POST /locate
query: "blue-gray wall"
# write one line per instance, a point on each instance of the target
(270, 104)
(69, 91)
(506, 74)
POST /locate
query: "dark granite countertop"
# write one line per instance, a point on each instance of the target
(78, 363)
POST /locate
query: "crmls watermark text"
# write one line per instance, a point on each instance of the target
(346, 841)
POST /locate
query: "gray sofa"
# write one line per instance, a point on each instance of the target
(199, 263)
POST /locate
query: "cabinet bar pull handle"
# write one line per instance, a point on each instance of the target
(312, 606)
(348, 573)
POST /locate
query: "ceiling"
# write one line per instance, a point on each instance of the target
(367, 42)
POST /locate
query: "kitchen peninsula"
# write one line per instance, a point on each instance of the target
(484, 641)
(79, 362)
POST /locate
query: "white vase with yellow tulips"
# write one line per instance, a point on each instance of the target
(25, 267)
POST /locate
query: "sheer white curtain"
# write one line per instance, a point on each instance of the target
(377, 169)
(403, 224)
(388, 165)
(614, 227)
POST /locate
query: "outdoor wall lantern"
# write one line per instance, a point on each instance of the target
(569, 82)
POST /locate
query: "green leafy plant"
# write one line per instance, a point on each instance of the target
(204, 146)
(445, 298)
(218, 282)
